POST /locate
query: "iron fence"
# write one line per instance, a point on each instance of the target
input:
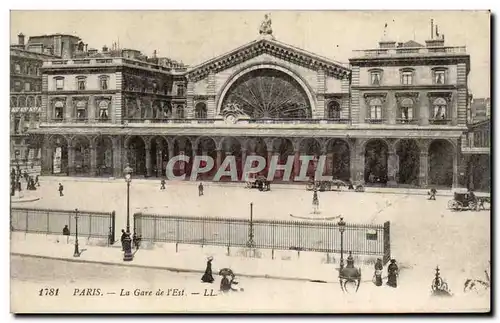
(361, 239)
(50, 221)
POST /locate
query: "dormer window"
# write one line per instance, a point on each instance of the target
(407, 76)
(439, 76)
(375, 77)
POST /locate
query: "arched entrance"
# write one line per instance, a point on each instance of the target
(441, 163)
(257, 146)
(207, 147)
(159, 156)
(231, 147)
(104, 156)
(338, 159)
(376, 154)
(81, 158)
(283, 148)
(267, 93)
(408, 153)
(183, 146)
(310, 147)
(58, 146)
(136, 155)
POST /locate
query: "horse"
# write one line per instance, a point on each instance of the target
(349, 275)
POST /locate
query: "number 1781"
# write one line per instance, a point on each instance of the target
(49, 292)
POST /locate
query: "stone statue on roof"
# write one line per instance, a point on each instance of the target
(265, 26)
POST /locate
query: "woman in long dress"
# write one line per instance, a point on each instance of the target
(392, 274)
(207, 276)
(378, 272)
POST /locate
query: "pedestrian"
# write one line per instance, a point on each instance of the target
(378, 272)
(61, 189)
(207, 276)
(162, 184)
(392, 274)
(36, 181)
(122, 239)
(66, 230)
(200, 189)
(432, 194)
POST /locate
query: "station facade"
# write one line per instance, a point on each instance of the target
(394, 116)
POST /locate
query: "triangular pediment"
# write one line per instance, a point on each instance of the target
(274, 48)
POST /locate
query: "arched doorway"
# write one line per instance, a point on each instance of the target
(310, 147)
(283, 148)
(338, 159)
(376, 154)
(207, 147)
(81, 157)
(268, 93)
(58, 155)
(231, 147)
(104, 156)
(183, 146)
(408, 153)
(159, 156)
(136, 155)
(258, 147)
(441, 163)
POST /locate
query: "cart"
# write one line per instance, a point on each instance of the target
(261, 183)
(463, 201)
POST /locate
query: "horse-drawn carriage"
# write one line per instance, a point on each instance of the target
(261, 183)
(468, 201)
(325, 185)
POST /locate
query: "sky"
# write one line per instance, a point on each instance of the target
(195, 36)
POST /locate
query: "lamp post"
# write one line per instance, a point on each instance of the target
(77, 251)
(127, 242)
(341, 225)
(250, 242)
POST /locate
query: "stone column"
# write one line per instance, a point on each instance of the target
(392, 167)
(93, 160)
(268, 160)
(68, 107)
(296, 164)
(329, 164)
(47, 155)
(149, 164)
(117, 157)
(455, 170)
(424, 168)
(71, 160)
(243, 160)
(218, 161)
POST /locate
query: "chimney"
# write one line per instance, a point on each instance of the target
(154, 54)
(20, 39)
(437, 41)
(104, 49)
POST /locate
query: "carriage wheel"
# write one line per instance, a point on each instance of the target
(249, 185)
(310, 186)
(473, 206)
(454, 205)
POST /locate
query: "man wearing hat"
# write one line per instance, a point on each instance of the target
(392, 274)
(207, 276)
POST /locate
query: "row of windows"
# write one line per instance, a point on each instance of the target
(407, 76)
(19, 86)
(81, 82)
(81, 110)
(25, 69)
(406, 109)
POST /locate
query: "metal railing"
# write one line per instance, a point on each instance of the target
(50, 221)
(361, 239)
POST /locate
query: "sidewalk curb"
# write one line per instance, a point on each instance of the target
(173, 269)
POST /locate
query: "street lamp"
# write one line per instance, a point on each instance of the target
(341, 225)
(250, 242)
(77, 251)
(127, 242)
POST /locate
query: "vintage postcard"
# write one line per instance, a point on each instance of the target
(250, 162)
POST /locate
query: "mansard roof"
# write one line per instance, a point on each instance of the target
(272, 47)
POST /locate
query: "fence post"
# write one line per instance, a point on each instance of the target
(229, 237)
(387, 241)
(48, 223)
(113, 228)
(177, 237)
(154, 229)
(90, 225)
(27, 213)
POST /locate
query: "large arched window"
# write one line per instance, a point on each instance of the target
(333, 111)
(406, 110)
(440, 107)
(103, 110)
(376, 109)
(201, 111)
(81, 110)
